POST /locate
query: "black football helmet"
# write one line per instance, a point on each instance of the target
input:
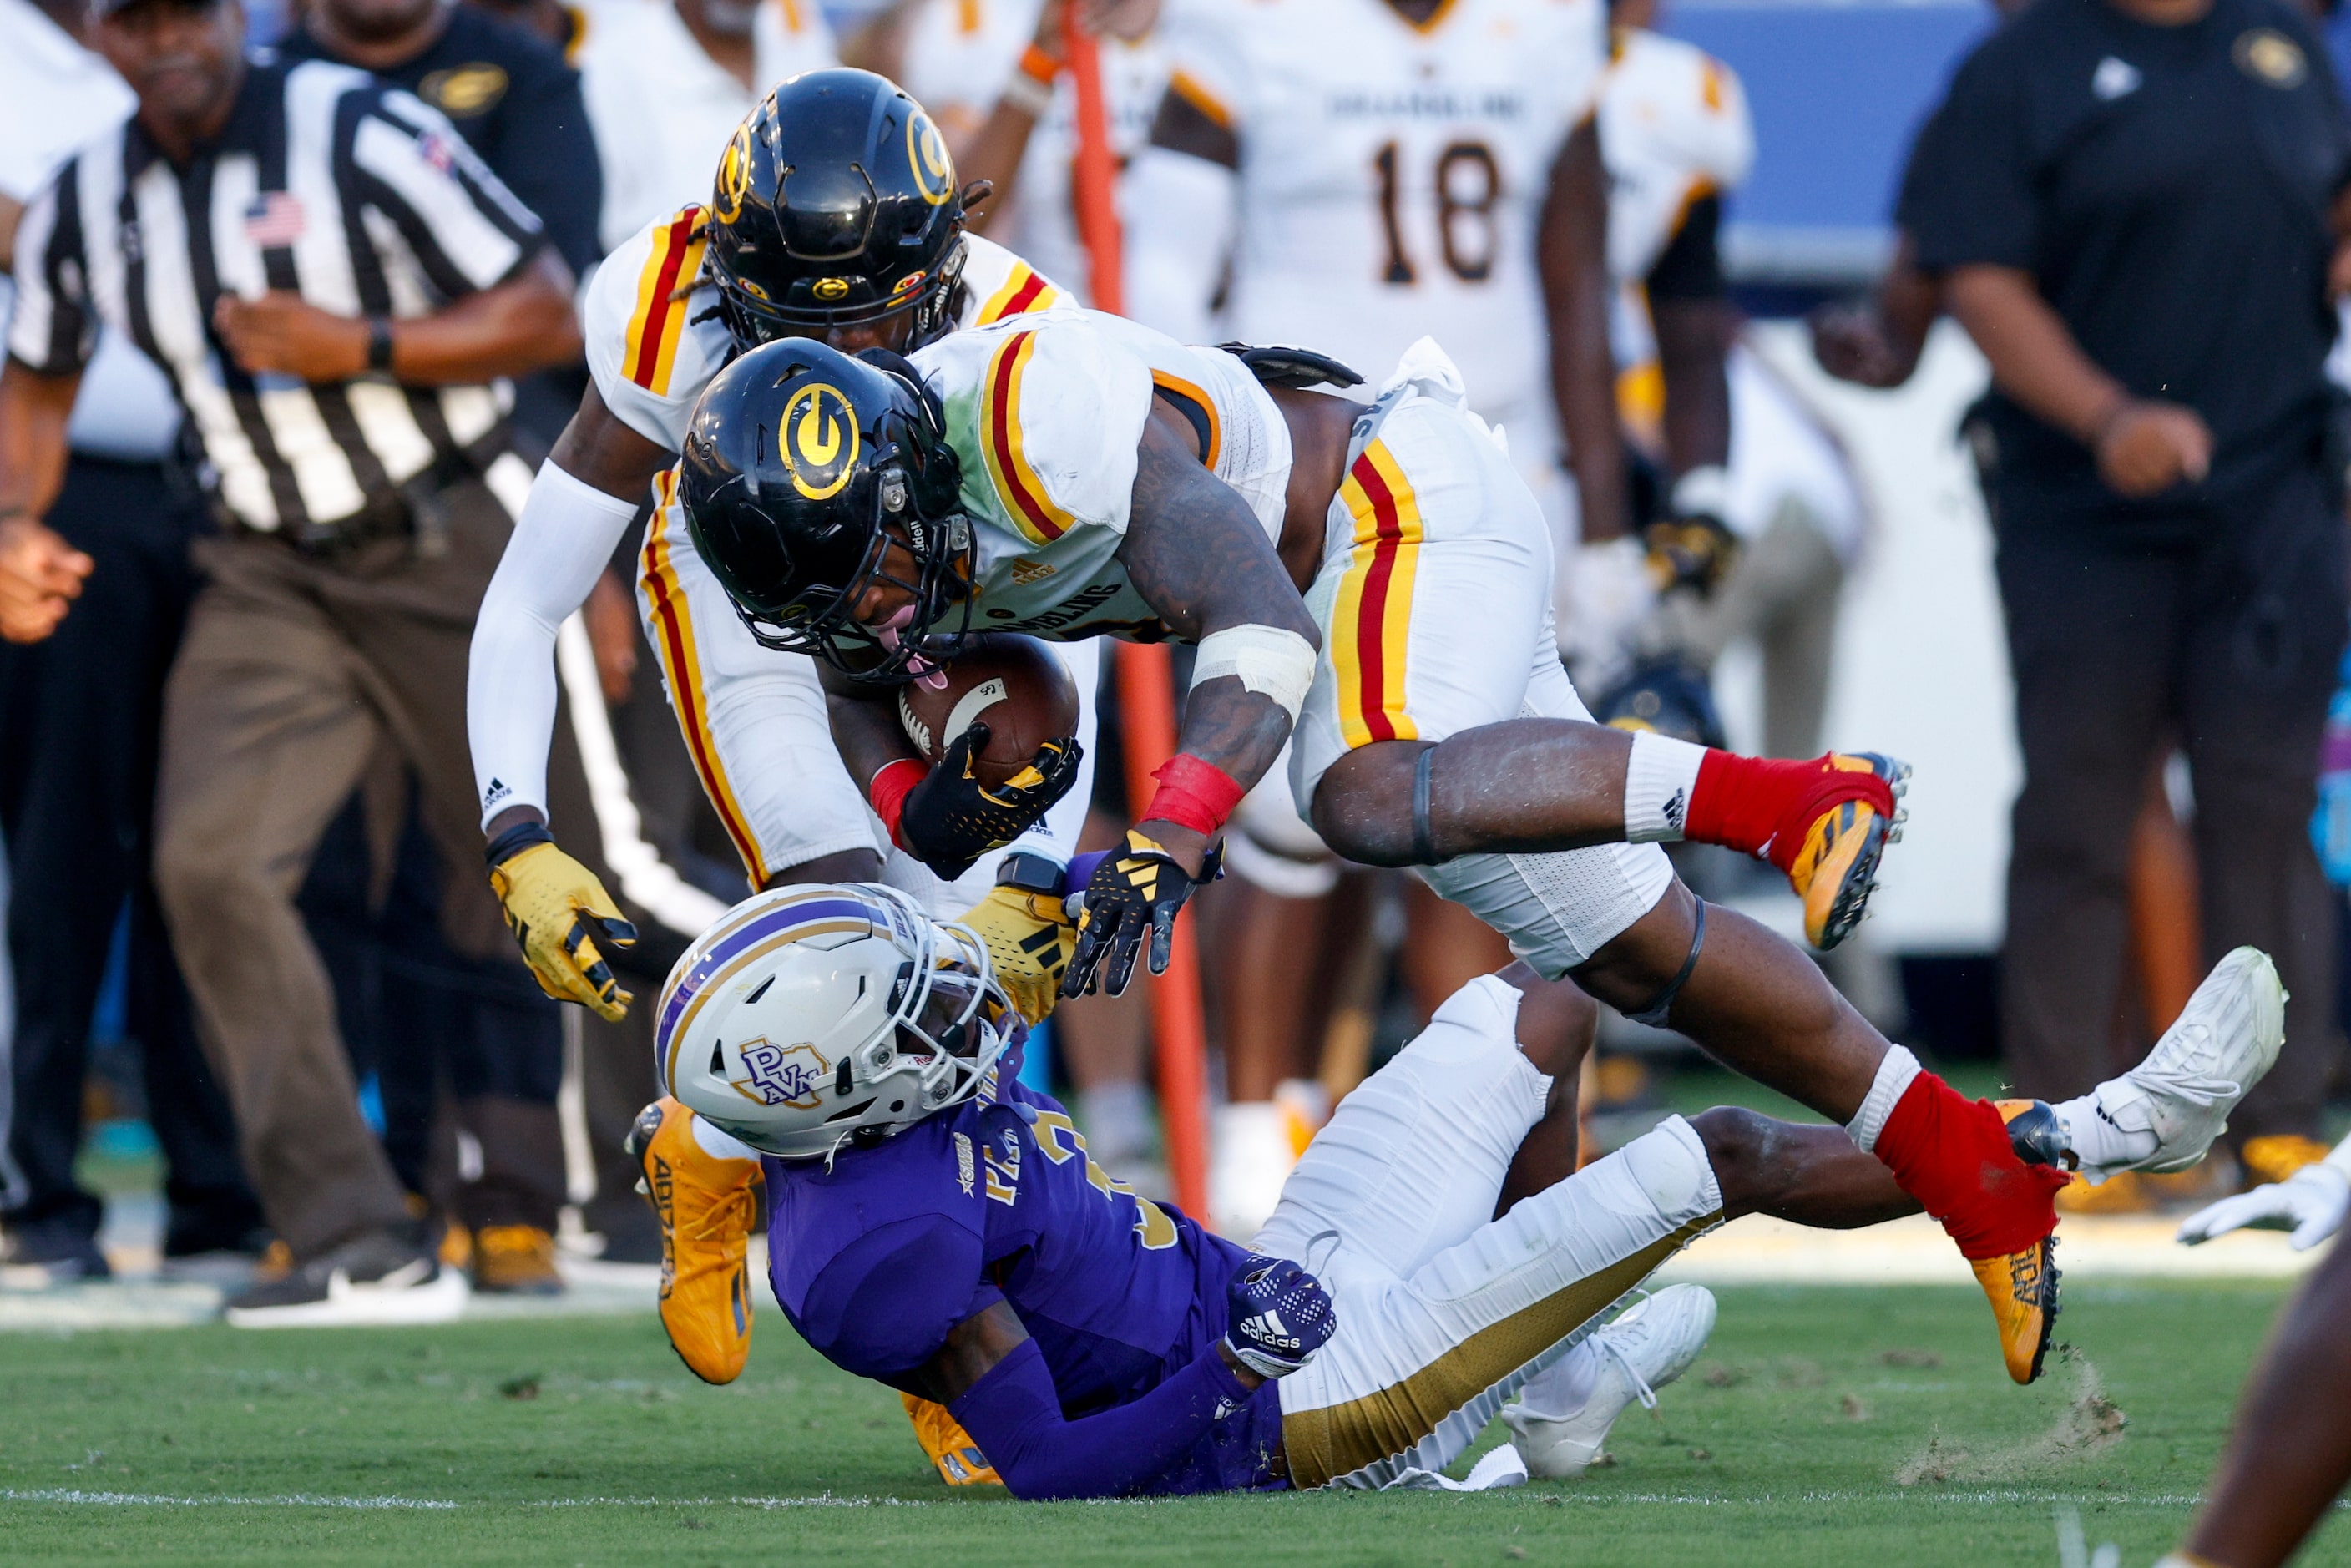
(802, 466)
(836, 204)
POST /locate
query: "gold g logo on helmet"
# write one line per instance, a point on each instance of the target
(832, 288)
(733, 176)
(818, 439)
(926, 153)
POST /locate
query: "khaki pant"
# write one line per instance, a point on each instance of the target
(293, 669)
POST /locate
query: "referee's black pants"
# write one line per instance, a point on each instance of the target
(79, 799)
(2224, 635)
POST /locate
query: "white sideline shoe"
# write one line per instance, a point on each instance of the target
(2223, 1041)
(1652, 1342)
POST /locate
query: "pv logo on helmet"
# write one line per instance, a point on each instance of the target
(926, 152)
(818, 438)
(782, 1075)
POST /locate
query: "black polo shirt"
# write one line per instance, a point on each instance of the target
(2169, 188)
(510, 95)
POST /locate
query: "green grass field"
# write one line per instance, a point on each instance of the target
(1826, 1426)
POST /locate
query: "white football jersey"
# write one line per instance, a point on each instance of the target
(1390, 176)
(1046, 414)
(960, 53)
(1674, 128)
(655, 338)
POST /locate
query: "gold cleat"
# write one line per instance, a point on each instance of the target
(958, 1459)
(707, 1206)
(2022, 1288)
(1834, 871)
(515, 1260)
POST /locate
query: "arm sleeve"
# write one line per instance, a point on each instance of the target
(468, 231)
(1691, 266)
(1966, 195)
(1180, 222)
(51, 329)
(567, 532)
(1015, 1416)
(546, 156)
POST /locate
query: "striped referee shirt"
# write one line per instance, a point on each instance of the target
(327, 183)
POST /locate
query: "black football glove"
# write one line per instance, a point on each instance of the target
(1137, 890)
(951, 818)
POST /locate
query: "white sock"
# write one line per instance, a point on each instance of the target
(1658, 780)
(1562, 1389)
(2095, 1139)
(720, 1144)
(1896, 1073)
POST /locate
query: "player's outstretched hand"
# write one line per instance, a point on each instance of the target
(951, 818)
(1132, 893)
(558, 912)
(1277, 1314)
(1029, 940)
(2310, 1203)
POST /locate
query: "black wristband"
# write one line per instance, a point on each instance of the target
(1028, 873)
(379, 343)
(513, 841)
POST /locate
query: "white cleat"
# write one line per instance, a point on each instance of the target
(2223, 1041)
(1652, 1342)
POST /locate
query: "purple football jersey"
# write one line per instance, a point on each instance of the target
(877, 1258)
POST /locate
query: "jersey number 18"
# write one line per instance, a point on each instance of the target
(1468, 183)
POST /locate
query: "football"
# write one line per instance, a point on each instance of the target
(1014, 683)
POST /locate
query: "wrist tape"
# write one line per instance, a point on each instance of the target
(1266, 659)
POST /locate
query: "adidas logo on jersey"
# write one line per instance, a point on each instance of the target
(1025, 572)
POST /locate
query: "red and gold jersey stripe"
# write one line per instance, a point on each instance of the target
(673, 641)
(1023, 293)
(660, 315)
(1023, 491)
(1372, 618)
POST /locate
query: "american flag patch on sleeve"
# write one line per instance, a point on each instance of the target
(274, 219)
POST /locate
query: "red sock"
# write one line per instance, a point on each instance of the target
(1952, 1155)
(1763, 806)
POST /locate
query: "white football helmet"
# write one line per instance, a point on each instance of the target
(810, 1015)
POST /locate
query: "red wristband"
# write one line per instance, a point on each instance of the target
(1193, 794)
(889, 789)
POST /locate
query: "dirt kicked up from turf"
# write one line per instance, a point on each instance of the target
(2088, 1423)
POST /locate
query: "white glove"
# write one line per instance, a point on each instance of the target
(1610, 592)
(2310, 1203)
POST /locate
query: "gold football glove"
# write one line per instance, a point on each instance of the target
(556, 909)
(1030, 941)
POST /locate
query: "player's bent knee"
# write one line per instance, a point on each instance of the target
(1363, 804)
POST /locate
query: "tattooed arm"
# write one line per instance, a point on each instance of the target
(1199, 555)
